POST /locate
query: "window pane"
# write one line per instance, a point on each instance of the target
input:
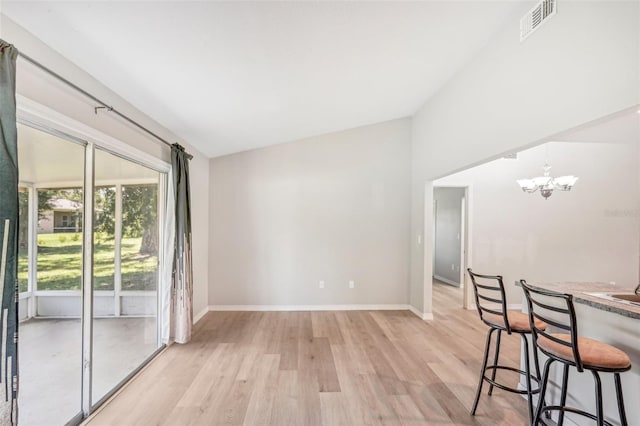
(140, 237)
(104, 238)
(59, 240)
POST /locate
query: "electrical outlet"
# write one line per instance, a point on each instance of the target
(352, 284)
(321, 284)
(453, 267)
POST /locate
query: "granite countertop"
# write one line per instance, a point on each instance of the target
(581, 290)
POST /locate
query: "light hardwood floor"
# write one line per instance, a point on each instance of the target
(322, 368)
(446, 298)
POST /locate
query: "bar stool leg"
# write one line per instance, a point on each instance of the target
(623, 416)
(528, 378)
(535, 360)
(482, 370)
(599, 410)
(495, 361)
(536, 363)
(563, 395)
(543, 391)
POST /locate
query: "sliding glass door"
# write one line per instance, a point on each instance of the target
(89, 244)
(50, 277)
(125, 296)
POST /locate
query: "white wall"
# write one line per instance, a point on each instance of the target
(448, 234)
(39, 87)
(581, 65)
(591, 233)
(332, 208)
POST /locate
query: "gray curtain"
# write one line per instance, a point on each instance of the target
(182, 281)
(8, 236)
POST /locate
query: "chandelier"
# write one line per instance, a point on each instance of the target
(546, 184)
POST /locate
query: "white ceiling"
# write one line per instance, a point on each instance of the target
(233, 76)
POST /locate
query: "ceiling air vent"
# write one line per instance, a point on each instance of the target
(511, 156)
(537, 16)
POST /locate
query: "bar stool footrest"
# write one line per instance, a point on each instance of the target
(549, 408)
(508, 388)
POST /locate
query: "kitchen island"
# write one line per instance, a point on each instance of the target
(610, 321)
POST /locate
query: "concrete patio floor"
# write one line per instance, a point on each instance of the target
(50, 363)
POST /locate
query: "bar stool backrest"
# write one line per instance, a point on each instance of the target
(555, 309)
(490, 298)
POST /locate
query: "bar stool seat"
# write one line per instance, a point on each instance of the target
(517, 321)
(594, 355)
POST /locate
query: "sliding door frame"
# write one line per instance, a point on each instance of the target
(88, 197)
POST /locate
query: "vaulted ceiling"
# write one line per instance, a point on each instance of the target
(234, 76)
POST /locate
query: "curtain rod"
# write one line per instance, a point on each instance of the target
(103, 105)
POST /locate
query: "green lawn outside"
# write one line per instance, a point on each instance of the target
(60, 263)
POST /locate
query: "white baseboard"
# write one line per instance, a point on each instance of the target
(415, 311)
(384, 307)
(422, 315)
(265, 308)
(447, 281)
(200, 314)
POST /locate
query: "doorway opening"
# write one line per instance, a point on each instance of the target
(449, 259)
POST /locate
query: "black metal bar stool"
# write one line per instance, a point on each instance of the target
(566, 347)
(492, 308)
